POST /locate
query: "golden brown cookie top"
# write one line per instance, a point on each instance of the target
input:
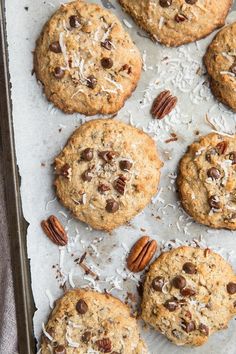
(86, 61)
(107, 173)
(189, 293)
(207, 181)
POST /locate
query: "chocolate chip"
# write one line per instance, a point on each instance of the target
(106, 44)
(165, 3)
(231, 288)
(214, 202)
(91, 81)
(203, 329)
(112, 206)
(81, 307)
(86, 175)
(188, 326)
(214, 173)
(233, 69)
(60, 349)
(120, 184)
(59, 72)
(125, 165)
(180, 18)
(179, 282)
(87, 154)
(55, 47)
(158, 283)
(189, 268)
(107, 63)
(102, 188)
(74, 21)
(65, 171)
(187, 292)
(191, 2)
(171, 305)
(107, 156)
(86, 336)
(232, 157)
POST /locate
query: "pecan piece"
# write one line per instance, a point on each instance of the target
(54, 230)
(163, 104)
(141, 254)
(104, 345)
(120, 184)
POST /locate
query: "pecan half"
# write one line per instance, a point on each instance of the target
(54, 230)
(120, 184)
(163, 104)
(104, 345)
(222, 147)
(141, 254)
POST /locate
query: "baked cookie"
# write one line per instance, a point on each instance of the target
(189, 293)
(107, 173)
(84, 322)
(220, 61)
(176, 22)
(207, 181)
(86, 61)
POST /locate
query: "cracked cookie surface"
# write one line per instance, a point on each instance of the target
(86, 61)
(220, 61)
(207, 181)
(176, 22)
(86, 322)
(107, 173)
(189, 293)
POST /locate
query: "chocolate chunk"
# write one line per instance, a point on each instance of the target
(214, 202)
(203, 329)
(214, 173)
(180, 18)
(107, 63)
(74, 21)
(81, 307)
(59, 72)
(60, 349)
(171, 305)
(107, 156)
(165, 3)
(120, 184)
(187, 292)
(102, 188)
(91, 81)
(66, 171)
(232, 157)
(55, 47)
(125, 165)
(106, 44)
(104, 345)
(231, 288)
(112, 206)
(86, 336)
(86, 175)
(87, 154)
(188, 326)
(179, 282)
(158, 283)
(189, 268)
(191, 2)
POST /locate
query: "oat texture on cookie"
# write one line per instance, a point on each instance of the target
(207, 181)
(176, 22)
(86, 61)
(107, 173)
(84, 322)
(189, 293)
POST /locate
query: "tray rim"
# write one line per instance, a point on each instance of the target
(17, 226)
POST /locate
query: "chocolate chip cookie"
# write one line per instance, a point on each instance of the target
(189, 293)
(220, 61)
(86, 322)
(107, 173)
(207, 181)
(176, 22)
(86, 61)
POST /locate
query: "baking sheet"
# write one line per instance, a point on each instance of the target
(41, 131)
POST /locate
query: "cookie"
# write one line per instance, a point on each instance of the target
(178, 22)
(220, 61)
(86, 61)
(86, 322)
(189, 293)
(107, 173)
(207, 181)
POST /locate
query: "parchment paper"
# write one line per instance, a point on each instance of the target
(40, 133)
